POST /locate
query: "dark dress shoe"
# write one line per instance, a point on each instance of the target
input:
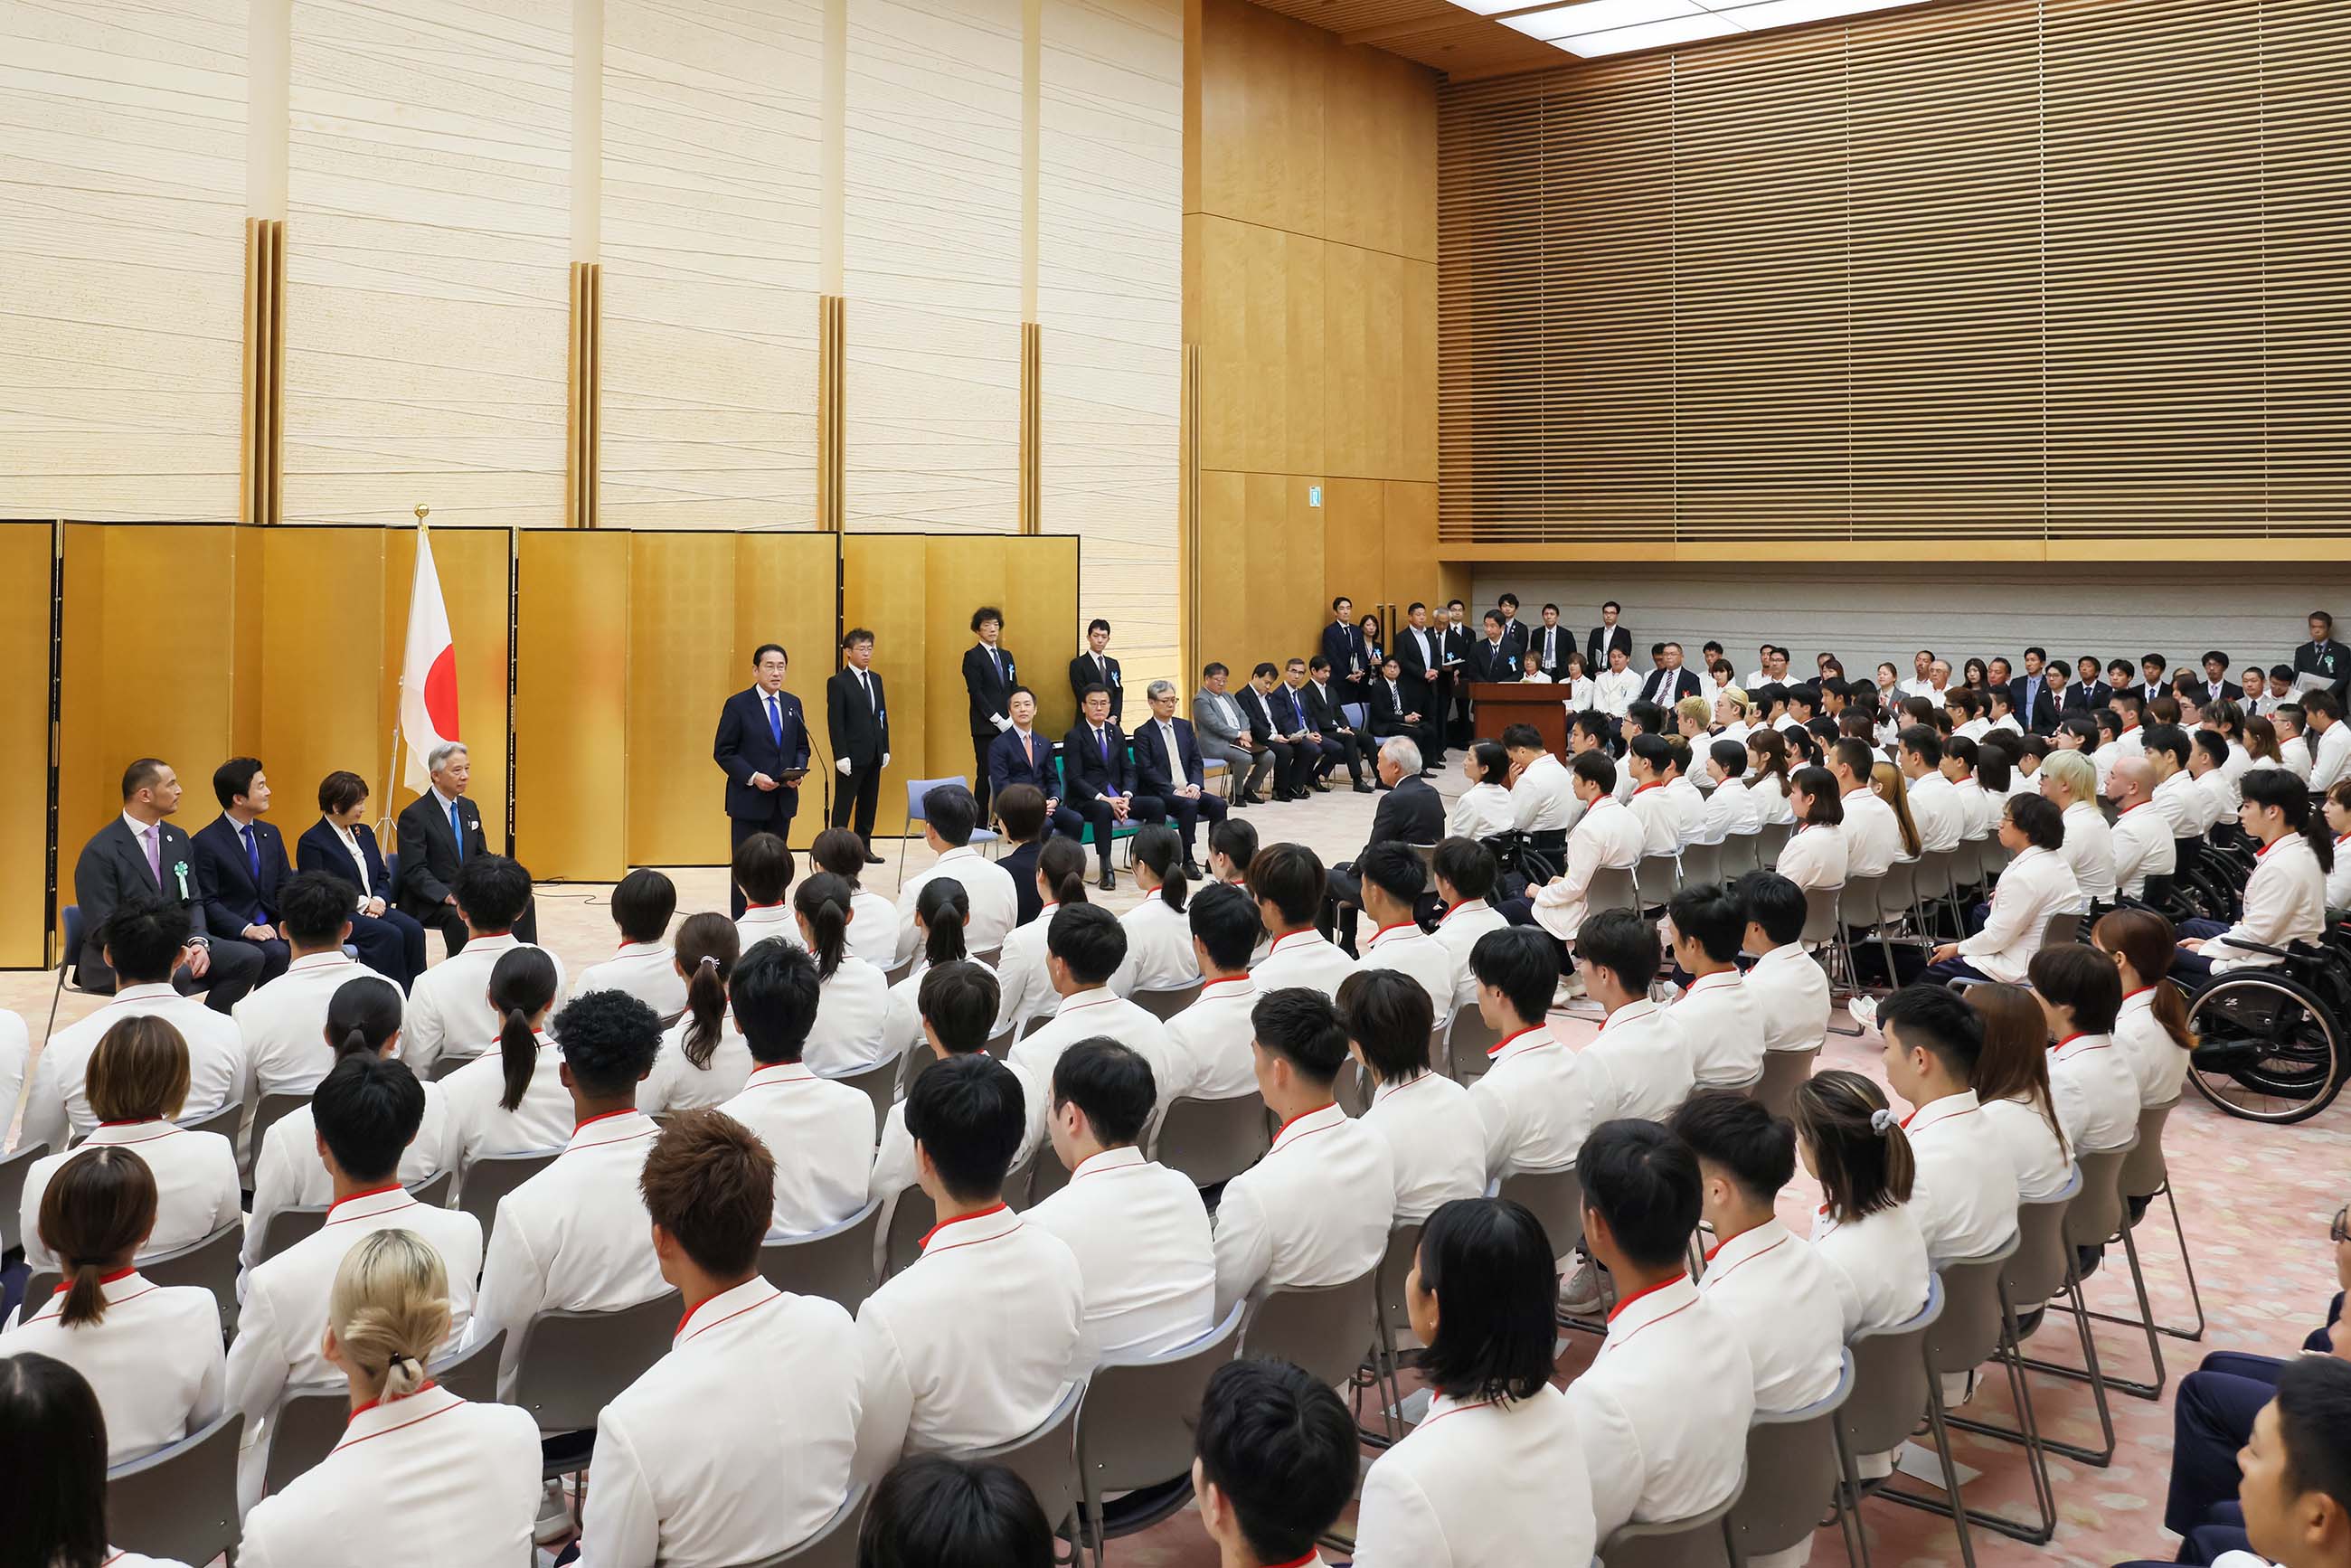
(1192, 869)
(873, 859)
(1362, 789)
(1108, 881)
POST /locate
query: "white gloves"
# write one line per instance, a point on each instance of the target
(843, 764)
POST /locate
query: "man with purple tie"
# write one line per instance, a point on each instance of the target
(1100, 778)
(140, 855)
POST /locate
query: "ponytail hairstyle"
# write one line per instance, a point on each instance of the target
(2143, 939)
(390, 1310)
(96, 1214)
(522, 987)
(707, 945)
(941, 908)
(824, 902)
(1885, 781)
(2278, 788)
(2014, 1062)
(363, 1016)
(1767, 744)
(1857, 1147)
(1061, 871)
(1157, 847)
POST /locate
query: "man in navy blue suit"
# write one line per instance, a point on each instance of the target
(763, 745)
(1100, 781)
(1167, 768)
(1022, 756)
(240, 861)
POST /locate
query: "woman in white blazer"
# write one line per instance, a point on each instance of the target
(362, 1017)
(2152, 1027)
(1854, 1146)
(1158, 931)
(2011, 1082)
(1024, 990)
(138, 1081)
(1493, 1476)
(1766, 757)
(511, 1099)
(446, 1482)
(1815, 854)
(150, 1352)
(853, 997)
(702, 1059)
(54, 1449)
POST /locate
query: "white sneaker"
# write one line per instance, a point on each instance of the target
(1583, 1292)
(554, 1525)
(1864, 1010)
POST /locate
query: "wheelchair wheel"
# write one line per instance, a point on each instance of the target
(2268, 1048)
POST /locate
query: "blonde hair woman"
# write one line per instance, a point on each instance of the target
(445, 1481)
(1885, 783)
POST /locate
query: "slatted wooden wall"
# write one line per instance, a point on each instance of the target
(2016, 277)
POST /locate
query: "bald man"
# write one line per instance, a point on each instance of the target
(2142, 838)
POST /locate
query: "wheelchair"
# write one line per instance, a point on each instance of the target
(2269, 1041)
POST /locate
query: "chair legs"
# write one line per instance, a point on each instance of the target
(1956, 1509)
(2187, 1265)
(54, 998)
(2144, 1321)
(1847, 1503)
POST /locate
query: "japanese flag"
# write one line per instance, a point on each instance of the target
(428, 675)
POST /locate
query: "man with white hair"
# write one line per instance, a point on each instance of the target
(2141, 839)
(439, 831)
(1413, 813)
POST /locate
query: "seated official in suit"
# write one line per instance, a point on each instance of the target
(1225, 735)
(240, 861)
(1414, 813)
(1396, 713)
(1096, 667)
(1272, 737)
(1317, 753)
(1167, 768)
(1326, 714)
(1022, 756)
(988, 677)
(141, 855)
(857, 721)
(445, 1014)
(341, 844)
(738, 1443)
(1100, 778)
(439, 831)
(763, 745)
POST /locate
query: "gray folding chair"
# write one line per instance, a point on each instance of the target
(1046, 1174)
(1212, 1141)
(1655, 877)
(444, 1066)
(179, 1502)
(1611, 887)
(836, 1262)
(1791, 1472)
(999, 1044)
(1701, 864)
(272, 1109)
(2043, 1270)
(1326, 1329)
(1135, 1432)
(1046, 1457)
(210, 1264)
(1395, 1319)
(913, 1062)
(1972, 1327)
(1769, 839)
(2095, 1215)
(912, 1218)
(834, 1546)
(13, 1172)
(1036, 1022)
(491, 1177)
(1819, 916)
(311, 1417)
(570, 1365)
(2038, 1270)
(1892, 1388)
(878, 1081)
(1930, 882)
(1783, 1072)
(897, 972)
(2145, 1179)
(287, 1226)
(1166, 1003)
(224, 1121)
(1738, 855)
(1466, 1045)
(1555, 1197)
(433, 1191)
(1701, 1540)
(1353, 1089)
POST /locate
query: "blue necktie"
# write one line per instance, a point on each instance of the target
(1104, 741)
(457, 828)
(252, 855)
(776, 721)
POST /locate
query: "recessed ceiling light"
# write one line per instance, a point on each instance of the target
(1598, 17)
(1649, 35)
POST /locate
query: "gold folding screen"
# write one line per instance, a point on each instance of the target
(24, 608)
(1980, 279)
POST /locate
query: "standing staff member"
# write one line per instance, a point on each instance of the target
(989, 677)
(762, 737)
(857, 721)
(1096, 667)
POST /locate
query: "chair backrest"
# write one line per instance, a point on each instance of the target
(270, 1109)
(311, 1418)
(918, 787)
(211, 1263)
(912, 1218)
(1932, 874)
(1166, 1003)
(1769, 840)
(1212, 1140)
(491, 1177)
(1047, 1176)
(1395, 1266)
(835, 1545)
(2095, 1215)
(2038, 1270)
(1352, 1087)
(1820, 914)
(2143, 1172)
(13, 1172)
(1896, 890)
(991, 957)
(1791, 1472)
(1859, 901)
(1611, 887)
(1655, 877)
(1045, 1456)
(1326, 1329)
(2062, 928)
(1738, 855)
(878, 1083)
(999, 1044)
(1555, 1198)
(1701, 864)
(287, 1226)
(180, 1502)
(915, 1061)
(1466, 1045)
(224, 1121)
(571, 1364)
(443, 1066)
(76, 933)
(1889, 1379)
(433, 1191)
(836, 1262)
(1700, 1540)
(1134, 1426)
(897, 972)
(1965, 1335)
(1783, 1072)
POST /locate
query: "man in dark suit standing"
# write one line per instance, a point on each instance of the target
(1350, 655)
(1604, 636)
(857, 721)
(1167, 768)
(988, 677)
(1490, 658)
(1458, 639)
(1514, 631)
(1669, 682)
(763, 745)
(1420, 657)
(2086, 694)
(240, 861)
(2028, 694)
(1096, 667)
(1553, 643)
(2216, 686)
(1100, 783)
(1414, 813)
(2322, 656)
(141, 855)
(1327, 716)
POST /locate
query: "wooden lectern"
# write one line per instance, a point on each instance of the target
(1500, 703)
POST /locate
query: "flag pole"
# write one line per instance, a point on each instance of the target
(384, 822)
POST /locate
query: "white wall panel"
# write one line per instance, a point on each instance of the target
(931, 240)
(711, 199)
(428, 243)
(121, 258)
(1109, 300)
(2118, 610)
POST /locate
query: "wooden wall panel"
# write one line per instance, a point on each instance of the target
(25, 559)
(570, 719)
(122, 183)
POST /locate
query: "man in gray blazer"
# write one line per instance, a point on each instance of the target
(1223, 732)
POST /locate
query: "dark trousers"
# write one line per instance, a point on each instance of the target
(1288, 757)
(2197, 966)
(445, 919)
(391, 944)
(234, 970)
(2211, 1419)
(979, 745)
(1342, 899)
(1355, 749)
(1096, 813)
(1187, 813)
(860, 793)
(740, 829)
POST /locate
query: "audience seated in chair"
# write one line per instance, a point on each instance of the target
(1275, 1464)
